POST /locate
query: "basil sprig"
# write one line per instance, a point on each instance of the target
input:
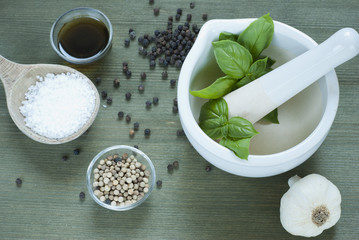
(234, 133)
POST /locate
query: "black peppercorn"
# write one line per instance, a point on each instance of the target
(156, 11)
(77, 151)
(173, 83)
(64, 158)
(82, 196)
(117, 159)
(170, 167)
(143, 76)
(104, 94)
(18, 181)
(175, 102)
(127, 42)
(159, 183)
(175, 109)
(179, 11)
(152, 63)
(108, 201)
(205, 17)
(128, 74)
(164, 75)
(136, 125)
(180, 133)
(132, 35)
(135, 146)
(191, 5)
(189, 17)
(98, 80)
(128, 118)
(148, 104)
(170, 18)
(155, 100)
(109, 101)
(128, 96)
(147, 132)
(178, 17)
(141, 88)
(151, 1)
(120, 114)
(116, 83)
(208, 168)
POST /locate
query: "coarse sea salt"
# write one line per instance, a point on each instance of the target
(58, 105)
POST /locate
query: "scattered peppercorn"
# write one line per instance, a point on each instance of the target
(170, 18)
(116, 83)
(178, 17)
(173, 83)
(191, 5)
(175, 102)
(98, 80)
(64, 158)
(175, 164)
(164, 75)
(175, 109)
(208, 168)
(159, 183)
(120, 114)
(148, 104)
(109, 101)
(104, 94)
(18, 182)
(156, 11)
(128, 96)
(127, 42)
(147, 132)
(155, 100)
(128, 118)
(189, 17)
(151, 1)
(180, 133)
(82, 196)
(136, 125)
(135, 146)
(179, 11)
(132, 35)
(143, 76)
(141, 88)
(205, 17)
(108, 201)
(132, 132)
(128, 74)
(152, 64)
(77, 151)
(170, 167)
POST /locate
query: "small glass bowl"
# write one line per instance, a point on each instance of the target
(120, 150)
(68, 17)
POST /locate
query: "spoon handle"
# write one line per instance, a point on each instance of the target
(9, 72)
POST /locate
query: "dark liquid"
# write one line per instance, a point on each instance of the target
(83, 37)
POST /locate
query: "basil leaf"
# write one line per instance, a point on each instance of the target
(240, 147)
(240, 128)
(258, 68)
(247, 79)
(272, 116)
(258, 35)
(216, 127)
(228, 36)
(232, 58)
(218, 89)
(213, 109)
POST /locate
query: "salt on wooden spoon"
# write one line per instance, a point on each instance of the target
(17, 78)
(258, 98)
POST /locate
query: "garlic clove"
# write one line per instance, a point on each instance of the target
(311, 205)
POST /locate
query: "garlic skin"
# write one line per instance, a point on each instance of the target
(311, 205)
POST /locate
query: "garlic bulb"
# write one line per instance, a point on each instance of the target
(311, 205)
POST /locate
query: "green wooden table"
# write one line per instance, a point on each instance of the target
(192, 203)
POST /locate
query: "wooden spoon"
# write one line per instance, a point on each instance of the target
(17, 78)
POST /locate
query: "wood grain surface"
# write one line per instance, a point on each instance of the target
(192, 203)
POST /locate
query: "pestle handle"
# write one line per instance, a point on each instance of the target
(276, 87)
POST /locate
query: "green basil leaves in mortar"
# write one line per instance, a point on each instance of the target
(234, 133)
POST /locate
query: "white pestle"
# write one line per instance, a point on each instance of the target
(258, 98)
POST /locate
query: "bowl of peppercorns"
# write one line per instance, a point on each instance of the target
(120, 177)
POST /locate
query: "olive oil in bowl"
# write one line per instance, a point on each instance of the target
(83, 37)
